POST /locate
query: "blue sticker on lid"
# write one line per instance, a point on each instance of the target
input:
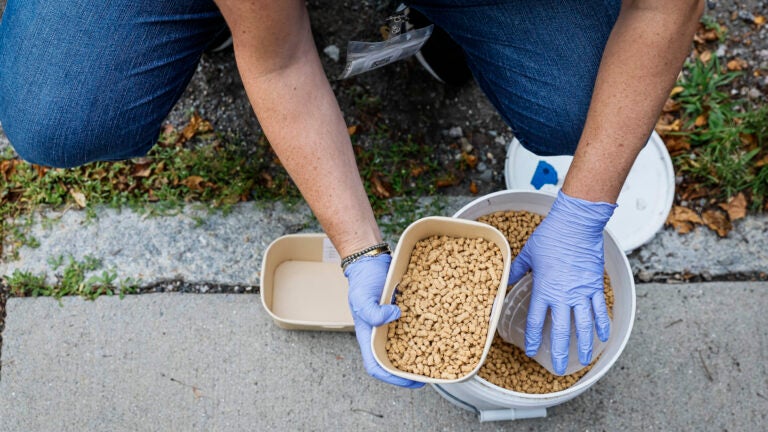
(544, 174)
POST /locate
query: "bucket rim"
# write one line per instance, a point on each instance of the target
(581, 385)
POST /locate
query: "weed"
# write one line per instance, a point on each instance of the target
(710, 23)
(703, 92)
(55, 262)
(727, 137)
(392, 167)
(23, 284)
(71, 281)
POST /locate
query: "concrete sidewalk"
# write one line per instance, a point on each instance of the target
(201, 248)
(192, 362)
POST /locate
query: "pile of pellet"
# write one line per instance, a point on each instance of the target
(446, 296)
(506, 365)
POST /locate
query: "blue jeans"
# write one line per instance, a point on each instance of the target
(536, 60)
(83, 81)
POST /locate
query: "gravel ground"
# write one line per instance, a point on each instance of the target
(438, 115)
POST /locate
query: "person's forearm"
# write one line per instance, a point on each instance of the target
(297, 109)
(642, 59)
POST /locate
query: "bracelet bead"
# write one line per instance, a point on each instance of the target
(375, 250)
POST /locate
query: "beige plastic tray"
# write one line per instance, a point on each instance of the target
(303, 286)
(422, 229)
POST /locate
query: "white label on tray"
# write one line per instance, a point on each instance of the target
(330, 254)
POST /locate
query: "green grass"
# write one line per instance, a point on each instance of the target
(395, 172)
(72, 280)
(729, 137)
(215, 172)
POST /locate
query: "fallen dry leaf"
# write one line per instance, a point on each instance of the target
(662, 127)
(380, 188)
(351, 130)
(193, 183)
(717, 221)
(418, 170)
(677, 145)
(683, 219)
(142, 167)
(189, 130)
(79, 197)
(709, 35)
(694, 192)
(701, 120)
(749, 140)
(40, 170)
(446, 181)
(671, 106)
(737, 64)
(676, 90)
(195, 126)
(737, 207)
(762, 162)
(705, 56)
(470, 159)
(8, 168)
(142, 172)
(473, 188)
(704, 34)
(759, 20)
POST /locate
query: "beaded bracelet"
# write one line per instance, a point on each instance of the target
(377, 249)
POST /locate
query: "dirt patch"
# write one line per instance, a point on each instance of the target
(401, 98)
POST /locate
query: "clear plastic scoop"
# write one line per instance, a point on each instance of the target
(511, 328)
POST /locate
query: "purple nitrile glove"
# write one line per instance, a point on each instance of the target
(565, 253)
(366, 282)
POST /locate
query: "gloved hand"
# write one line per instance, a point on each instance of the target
(565, 253)
(366, 282)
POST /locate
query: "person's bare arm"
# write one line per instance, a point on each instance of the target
(641, 61)
(291, 96)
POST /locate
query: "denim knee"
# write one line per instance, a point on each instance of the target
(81, 84)
(558, 135)
(45, 136)
(535, 61)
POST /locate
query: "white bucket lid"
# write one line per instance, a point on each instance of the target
(644, 201)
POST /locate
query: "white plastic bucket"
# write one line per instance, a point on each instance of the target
(492, 402)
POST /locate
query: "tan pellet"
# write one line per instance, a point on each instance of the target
(446, 298)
